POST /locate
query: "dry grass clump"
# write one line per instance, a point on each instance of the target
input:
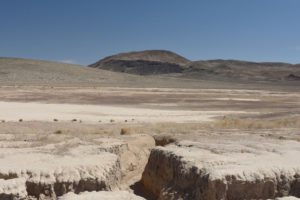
(243, 124)
(58, 132)
(2, 121)
(255, 124)
(175, 128)
(20, 120)
(97, 132)
(112, 121)
(74, 120)
(55, 120)
(125, 131)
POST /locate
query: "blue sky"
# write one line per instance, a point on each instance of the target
(84, 31)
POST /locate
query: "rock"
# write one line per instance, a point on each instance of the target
(12, 189)
(117, 195)
(164, 139)
(55, 169)
(73, 165)
(228, 167)
(53, 175)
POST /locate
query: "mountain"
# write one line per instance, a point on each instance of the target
(148, 71)
(160, 62)
(147, 55)
(144, 62)
(30, 72)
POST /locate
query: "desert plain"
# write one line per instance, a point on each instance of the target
(165, 143)
(208, 130)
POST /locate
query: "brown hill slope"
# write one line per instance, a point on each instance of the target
(147, 55)
(144, 62)
(157, 62)
(19, 71)
(29, 72)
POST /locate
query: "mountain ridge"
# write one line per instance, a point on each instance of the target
(159, 62)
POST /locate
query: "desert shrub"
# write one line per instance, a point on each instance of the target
(125, 131)
(55, 120)
(111, 121)
(58, 132)
(74, 120)
(20, 120)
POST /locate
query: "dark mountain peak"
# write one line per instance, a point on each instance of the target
(163, 56)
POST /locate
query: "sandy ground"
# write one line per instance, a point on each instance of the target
(181, 114)
(13, 111)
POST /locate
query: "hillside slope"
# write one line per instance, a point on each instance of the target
(19, 71)
(144, 62)
(28, 72)
(147, 55)
(158, 62)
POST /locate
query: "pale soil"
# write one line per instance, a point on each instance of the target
(229, 166)
(120, 195)
(59, 164)
(271, 117)
(13, 111)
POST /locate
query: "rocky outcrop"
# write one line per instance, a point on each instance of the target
(228, 167)
(118, 195)
(53, 175)
(38, 171)
(13, 189)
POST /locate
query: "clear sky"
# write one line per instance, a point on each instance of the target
(84, 31)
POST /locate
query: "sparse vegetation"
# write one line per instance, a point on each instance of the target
(55, 120)
(74, 120)
(126, 131)
(58, 132)
(20, 120)
(256, 124)
(97, 132)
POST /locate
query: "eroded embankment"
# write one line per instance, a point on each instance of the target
(231, 167)
(74, 166)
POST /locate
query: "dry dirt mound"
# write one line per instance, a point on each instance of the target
(13, 189)
(33, 170)
(224, 167)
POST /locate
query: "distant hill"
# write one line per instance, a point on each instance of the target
(29, 72)
(147, 55)
(144, 62)
(149, 72)
(19, 71)
(242, 70)
(155, 62)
